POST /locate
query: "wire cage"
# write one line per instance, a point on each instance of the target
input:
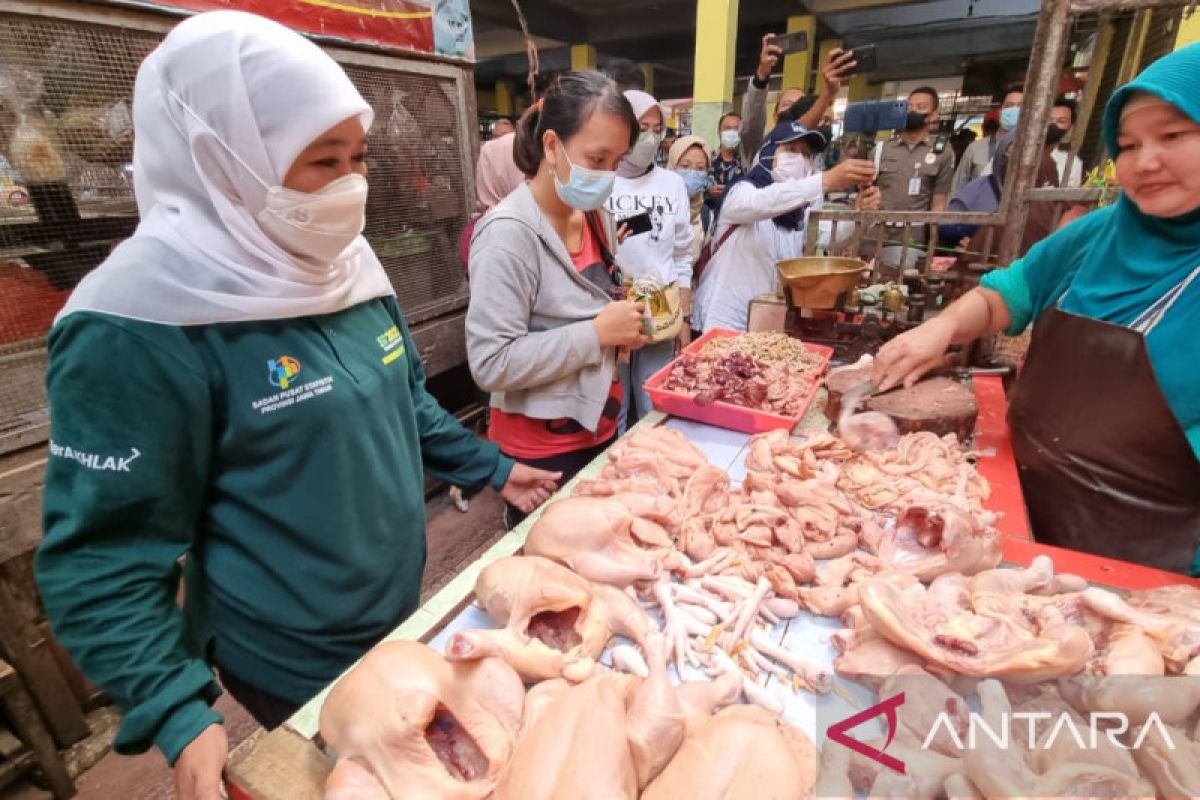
(66, 191)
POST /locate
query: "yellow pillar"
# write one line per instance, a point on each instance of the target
(1189, 30)
(648, 73)
(797, 67)
(504, 98)
(861, 90)
(712, 92)
(583, 56)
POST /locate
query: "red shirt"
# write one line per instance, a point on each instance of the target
(526, 437)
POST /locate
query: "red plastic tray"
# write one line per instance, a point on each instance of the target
(726, 415)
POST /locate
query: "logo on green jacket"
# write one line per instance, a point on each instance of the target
(392, 343)
(281, 371)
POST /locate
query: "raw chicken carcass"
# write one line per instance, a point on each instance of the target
(603, 738)
(555, 623)
(600, 540)
(1047, 752)
(941, 627)
(573, 743)
(1169, 614)
(1003, 771)
(424, 727)
(352, 779)
(927, 769)
(740, 753)
(931, 539)
(1171, 760)
(926, 700)
(867, 657)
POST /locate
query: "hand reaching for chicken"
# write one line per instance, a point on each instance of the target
(527, 488)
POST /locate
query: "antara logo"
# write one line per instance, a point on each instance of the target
(1111, 724)
(1086, 736)
(837, 732)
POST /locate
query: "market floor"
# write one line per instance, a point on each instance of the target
(455, 540)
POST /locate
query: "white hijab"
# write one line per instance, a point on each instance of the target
(221, 109)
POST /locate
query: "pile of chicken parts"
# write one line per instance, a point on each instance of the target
(692, 572)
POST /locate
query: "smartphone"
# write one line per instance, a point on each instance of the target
(794, 42)
(864, 58)
(638, 223)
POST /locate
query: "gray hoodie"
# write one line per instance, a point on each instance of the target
(530, 338)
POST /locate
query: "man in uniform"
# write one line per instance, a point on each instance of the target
(915, 171)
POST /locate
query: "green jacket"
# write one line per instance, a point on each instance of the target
(284, 458)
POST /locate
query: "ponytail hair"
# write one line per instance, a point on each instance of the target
(565, 108)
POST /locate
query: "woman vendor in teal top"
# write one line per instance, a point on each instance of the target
(235, 388)
(1106, 415)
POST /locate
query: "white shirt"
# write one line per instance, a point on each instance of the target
(666, 250)
(744, 266)
(1060, 161)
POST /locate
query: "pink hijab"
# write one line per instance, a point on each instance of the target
(496, 174)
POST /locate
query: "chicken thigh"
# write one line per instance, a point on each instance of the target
(423, 727)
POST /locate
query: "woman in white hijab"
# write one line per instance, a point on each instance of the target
(236, 384)
(660, 254)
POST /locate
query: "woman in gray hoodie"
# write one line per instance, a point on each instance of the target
(547, 313)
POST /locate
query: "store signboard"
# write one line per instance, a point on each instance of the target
(442, 27)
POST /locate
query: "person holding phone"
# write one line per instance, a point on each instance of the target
(764, 219)
(547, 312)
(837, 68)
(660, 248)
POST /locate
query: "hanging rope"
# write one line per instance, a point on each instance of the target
(531, 52)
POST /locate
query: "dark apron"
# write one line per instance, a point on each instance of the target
(1105, 466)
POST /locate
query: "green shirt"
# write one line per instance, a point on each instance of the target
(284, 457)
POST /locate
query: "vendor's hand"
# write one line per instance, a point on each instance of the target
(716, 190)
(851, 172)
(911, 354)
(685, 336)
(527, 488)
(623, 232)
(869, 199)
(768, 57)
(837, 64)
(199, 766)
(619, 324)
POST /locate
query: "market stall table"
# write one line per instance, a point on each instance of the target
(289, 762)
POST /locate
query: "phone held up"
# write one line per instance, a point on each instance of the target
(795, 42)
(864, 60)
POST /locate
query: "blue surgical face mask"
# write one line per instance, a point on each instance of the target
(1009, 117)
(730, 139)
(695, 181)
(586, 189)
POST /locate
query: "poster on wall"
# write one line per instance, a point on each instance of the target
(426, 26)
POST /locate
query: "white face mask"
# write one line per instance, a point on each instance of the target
(642, 154)
(791, 166)
(316, 227)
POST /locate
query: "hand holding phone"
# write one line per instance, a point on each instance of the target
(788, 43)
(865, 61)
(638, 223)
